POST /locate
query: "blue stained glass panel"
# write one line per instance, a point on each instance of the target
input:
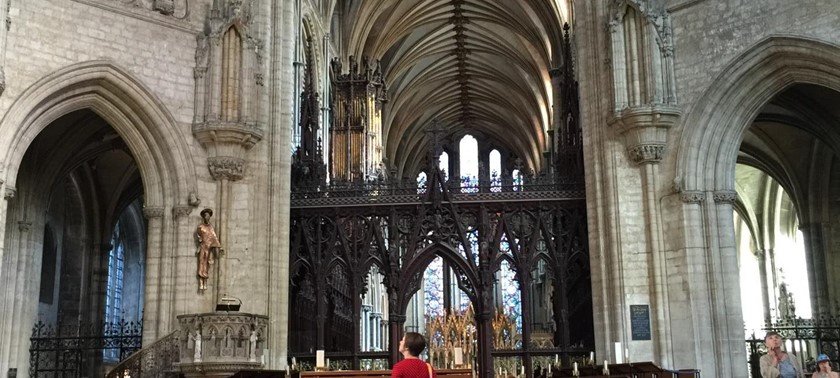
(433, 288)
(511, 296)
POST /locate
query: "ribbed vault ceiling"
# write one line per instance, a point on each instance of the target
(476, 66)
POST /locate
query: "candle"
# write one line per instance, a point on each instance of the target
(293, 362)
(327, 363)
(592, 358)
(575, 369)
(459, 356)
(626, 354)
(319, 358)
(556, 359)
(606, 370)
(617, 351)
(523, 370)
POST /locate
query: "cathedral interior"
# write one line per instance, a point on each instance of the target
(532, 185)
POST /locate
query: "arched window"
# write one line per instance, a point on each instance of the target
(468, 148)
(517, 180)
(495, 170)
(444, 165)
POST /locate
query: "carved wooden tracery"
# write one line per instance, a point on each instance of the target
(340, 230)
(333, 249)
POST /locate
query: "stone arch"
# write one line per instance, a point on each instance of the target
(139, 117)
(708, 147)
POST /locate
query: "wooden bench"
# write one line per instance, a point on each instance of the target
(441, 373)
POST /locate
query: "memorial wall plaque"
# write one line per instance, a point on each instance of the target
(640, 322)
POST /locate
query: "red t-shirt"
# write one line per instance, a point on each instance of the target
(412, 368)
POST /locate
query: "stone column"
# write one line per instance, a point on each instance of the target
(815, 261)
(726, 293)
(21, 324)
(761, 255)
(183, 265)
(152, 297)
(7, 278)
(645, 136)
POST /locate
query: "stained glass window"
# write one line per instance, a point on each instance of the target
(495, 171)
(113, 290)
(472, 237)
(433, 288)
(511, 296)
(421, 182)
(509, 287)
(517, 180)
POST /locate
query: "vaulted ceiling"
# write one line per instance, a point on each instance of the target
(476, 66)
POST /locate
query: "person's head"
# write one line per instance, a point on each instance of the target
(823, 363)
(773, 340)
(206, 213)
(413, 343)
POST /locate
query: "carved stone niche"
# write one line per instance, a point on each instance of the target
(228, 85)
(219, 344)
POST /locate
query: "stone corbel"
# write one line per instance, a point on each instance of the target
(227, 144)
(645, 130)
(226, 168)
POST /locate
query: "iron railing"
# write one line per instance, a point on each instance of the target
(78, 349)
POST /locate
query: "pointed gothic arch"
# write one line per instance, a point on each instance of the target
(708, 148)
(139, 117)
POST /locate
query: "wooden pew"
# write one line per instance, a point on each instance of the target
(441, 373)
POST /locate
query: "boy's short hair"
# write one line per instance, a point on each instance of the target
(415, 343)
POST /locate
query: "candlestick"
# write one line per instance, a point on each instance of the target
(575, 371)
(592, 358)
(319, 358)
(606, 370)
(556, 359)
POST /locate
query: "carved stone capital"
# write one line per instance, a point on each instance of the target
(647, 153)
(226, 168)
(725, 196)
(153, 212)
(693, 196)
(181, 211)
(10, 193)
(25, 226)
